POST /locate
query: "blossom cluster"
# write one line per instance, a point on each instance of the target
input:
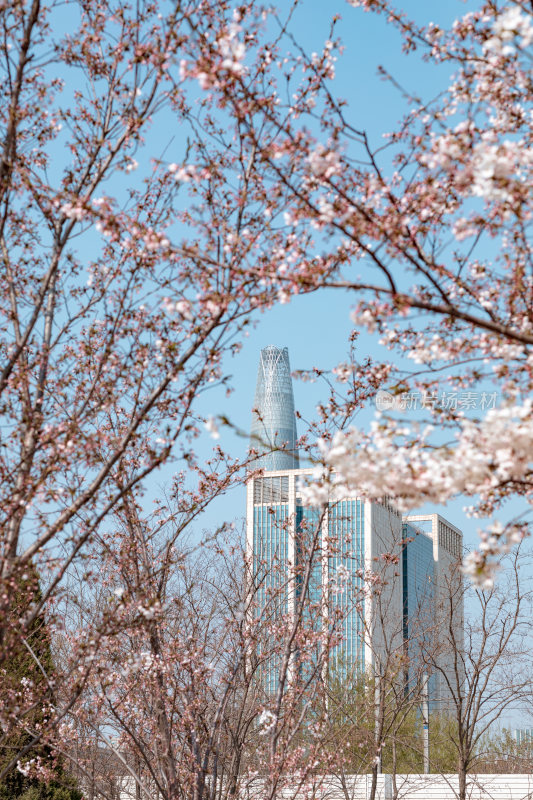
(396, 462)
(482, 564)
(509, 24)
(494, 452)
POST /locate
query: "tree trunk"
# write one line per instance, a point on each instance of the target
(461, 772)
(374, 784)
(393, 769)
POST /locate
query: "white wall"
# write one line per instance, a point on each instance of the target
(410, 787)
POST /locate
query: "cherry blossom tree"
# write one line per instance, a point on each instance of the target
(429, 231)
(199, 686)
(130, 267)
(132, 264)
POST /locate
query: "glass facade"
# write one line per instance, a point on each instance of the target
(308, 551)
(273, 418)
(286, 533)
(270, 570)
(308, 538)
(345, 568)
(419, 590)
(271, 555)
(524, 736)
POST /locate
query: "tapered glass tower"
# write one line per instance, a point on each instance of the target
(273, 432)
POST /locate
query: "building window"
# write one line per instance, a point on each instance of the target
(271, 490)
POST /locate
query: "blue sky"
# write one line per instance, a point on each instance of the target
(316, 327)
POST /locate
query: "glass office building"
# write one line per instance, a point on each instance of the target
(346, 543)
(447, 623)
(270, 548)
(282, 532)
(346, 531)
(285, 536)
(524, 737)
(418, 589)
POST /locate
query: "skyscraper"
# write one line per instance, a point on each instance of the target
(346, 543)
(350, 544)
(433, 591)
(419, 604)
(347, 540)
(273, 431)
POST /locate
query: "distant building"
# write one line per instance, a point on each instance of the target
(418, 592)
(524, 736)
(352, 536)
(443, 640)
(273, 431)
(351, 539)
